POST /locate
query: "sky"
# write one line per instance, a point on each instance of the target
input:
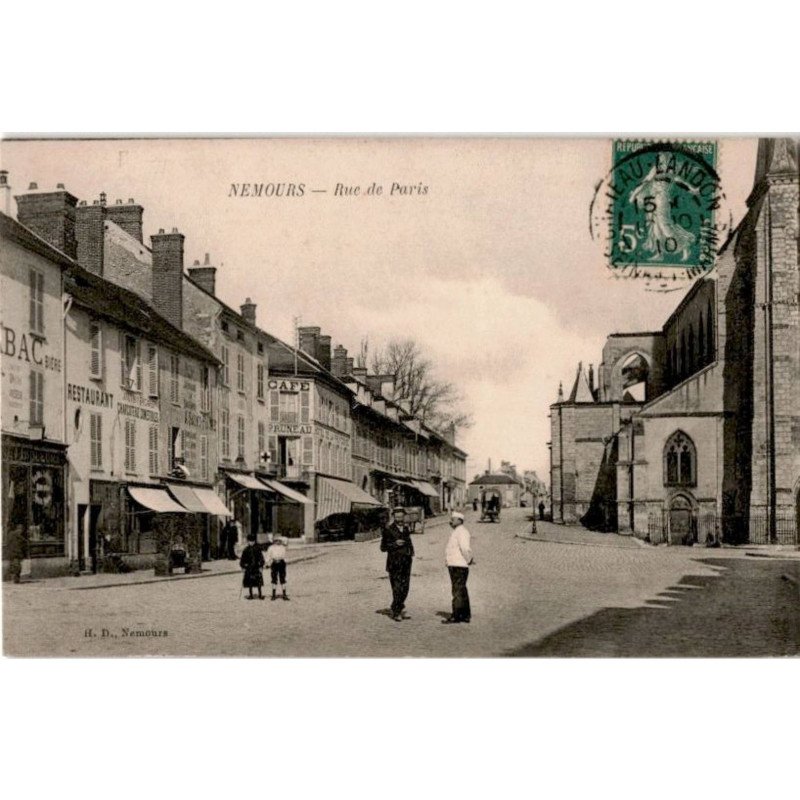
(491, 268)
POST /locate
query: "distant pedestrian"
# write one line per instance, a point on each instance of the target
(458, 557)
(234, 537)
(541, 510)
(276, 558)
(396, 543)
(474, 503)
(252, 562)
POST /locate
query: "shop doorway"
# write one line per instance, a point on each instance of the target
(82, 509)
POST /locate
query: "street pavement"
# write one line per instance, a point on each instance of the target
(562, 591)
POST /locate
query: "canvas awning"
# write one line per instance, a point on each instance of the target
(248, 481)
(277, 486)
(426, 488)
(199, 500)
(155, 499)
(338, 497)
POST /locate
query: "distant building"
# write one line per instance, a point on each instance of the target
(511, 489)
(694, 430)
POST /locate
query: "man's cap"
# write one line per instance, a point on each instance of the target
(398, 508)
(457, 515)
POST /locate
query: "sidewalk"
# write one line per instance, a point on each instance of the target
(574, 534)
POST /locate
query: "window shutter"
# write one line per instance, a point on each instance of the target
(138, 357)
(152, 371)
(274, 413)
(305, 406)
(32, 283)
(308, 451)
(96, 344)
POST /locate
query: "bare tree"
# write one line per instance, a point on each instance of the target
(437, 403)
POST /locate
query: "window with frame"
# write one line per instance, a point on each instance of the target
(226, 373)
(225, 426)
(288, 404)
(240, 436)
(131, 377)
(305, 407)
(307, 458)
(205, 389)
(680, 461)
(152, 370)
(174, 379)
(96, 440)
(274, 406)
(36, 390)
(153, 449)
(95, 350)
(260, 381)
(240, 372)
(130, 445)
(36, 280)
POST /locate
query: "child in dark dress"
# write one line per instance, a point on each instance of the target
(252, 562)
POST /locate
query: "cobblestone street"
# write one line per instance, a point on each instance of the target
(566, 592)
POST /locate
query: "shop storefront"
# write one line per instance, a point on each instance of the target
(34, 475)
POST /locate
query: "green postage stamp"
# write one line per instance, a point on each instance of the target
(658, 209)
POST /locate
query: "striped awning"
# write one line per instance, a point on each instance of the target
(199, 500)
(338, 497)
(248, 481)
(425, 488)
(155, 499)
(286, 491)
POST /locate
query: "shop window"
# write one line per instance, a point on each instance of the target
(176, 454)
(36, 397)
(153, 449)
(46, 529)
(680, 461)
(95, 351)
(174, 379)
(96, 439)
(130, 445)
(152, 371)
(37, 301)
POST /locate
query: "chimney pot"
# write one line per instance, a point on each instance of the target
(161, 230)
(82, 203)
(102, 198)
(196, 262)
(174, 230)
(59, 186)
(130, 200)
(207, 260)
(119, 202)
(33, 187)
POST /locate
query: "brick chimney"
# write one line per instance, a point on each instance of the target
(204, 276)
(248, 309)
(167, 249)
(350, 366)
(51, 216)
(339, 362)
(90, 223)
(324, 351)
(5, 193)
(359, 372)
(308, 339)
(128, 216)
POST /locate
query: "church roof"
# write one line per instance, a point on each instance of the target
(581, 392)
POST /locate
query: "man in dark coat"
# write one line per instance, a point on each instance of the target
(396, 543)
(252, 562)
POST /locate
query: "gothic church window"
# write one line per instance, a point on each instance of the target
(680, 461)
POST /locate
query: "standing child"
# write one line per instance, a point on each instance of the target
(252, 562)
(276, 558)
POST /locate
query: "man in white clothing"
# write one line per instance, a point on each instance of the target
(458, 557)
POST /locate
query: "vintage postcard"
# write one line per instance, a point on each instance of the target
(385, 396)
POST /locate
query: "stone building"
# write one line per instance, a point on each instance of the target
(138, 404)
(511, 489)
(693, 431)
(32, 345)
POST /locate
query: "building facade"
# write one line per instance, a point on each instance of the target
(693, 433)
(32, 345)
